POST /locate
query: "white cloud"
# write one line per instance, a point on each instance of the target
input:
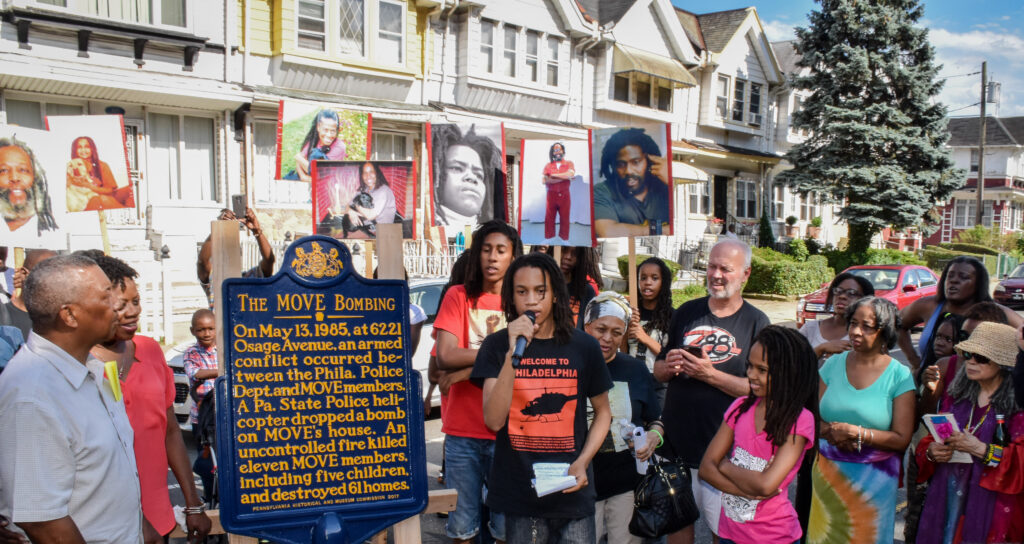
(778, 30)
(963, 53)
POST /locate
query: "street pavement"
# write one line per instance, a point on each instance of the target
(779, 312)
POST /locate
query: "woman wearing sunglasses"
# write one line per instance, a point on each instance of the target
(828, 336)
(980, 500)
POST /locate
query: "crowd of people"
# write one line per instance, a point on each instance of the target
(745, 406)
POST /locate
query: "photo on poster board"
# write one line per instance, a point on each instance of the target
(96, 171)
(350, 198)
(33, 192)
(554, 193)
(307, 131)
(467, 174)
(632, 173)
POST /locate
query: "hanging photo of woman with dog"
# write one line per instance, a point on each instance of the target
(96, 173)
(350, 198)
(308, 132)
(467, 174)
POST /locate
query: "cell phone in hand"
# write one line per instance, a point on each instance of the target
(238, 206)
(696, 351)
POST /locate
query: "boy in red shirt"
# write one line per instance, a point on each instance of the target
(468, 313)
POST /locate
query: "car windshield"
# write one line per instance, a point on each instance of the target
(1017, 272)
(883, 279)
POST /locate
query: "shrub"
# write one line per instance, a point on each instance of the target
(816, 221)
(765, 235)
(841, 260)
(798, 250)
(937, 257)
(980, 235)
(814, 245)
(624, 265)
(791, 220)
(689, 292)
(960, 247)
(770, 254)
(786, 277)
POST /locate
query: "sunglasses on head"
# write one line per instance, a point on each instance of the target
(977, 358)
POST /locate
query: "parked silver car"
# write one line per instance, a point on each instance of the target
(182, 400)
(426, 293)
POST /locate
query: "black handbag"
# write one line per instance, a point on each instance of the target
(663, 500)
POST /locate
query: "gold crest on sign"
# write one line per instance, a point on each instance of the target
(316, 263)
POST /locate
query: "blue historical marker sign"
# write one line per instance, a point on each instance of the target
(319, 422)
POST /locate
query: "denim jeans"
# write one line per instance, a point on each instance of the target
(530, 530)
(467, 463)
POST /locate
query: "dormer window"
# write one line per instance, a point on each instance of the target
(525, 56)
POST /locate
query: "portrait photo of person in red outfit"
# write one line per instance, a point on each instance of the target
(555, 193)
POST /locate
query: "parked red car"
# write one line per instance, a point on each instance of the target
(899, 283)
(1010, 290)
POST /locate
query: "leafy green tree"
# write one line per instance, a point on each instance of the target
(877, 132)
(765, 234)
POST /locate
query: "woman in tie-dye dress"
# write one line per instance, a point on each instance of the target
(867, 418)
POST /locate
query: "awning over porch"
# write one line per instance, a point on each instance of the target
(630, 60)
(683, 172)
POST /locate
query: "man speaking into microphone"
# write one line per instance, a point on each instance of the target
(538, 407)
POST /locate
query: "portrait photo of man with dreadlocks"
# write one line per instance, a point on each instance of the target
(631, 196)
(25, 202)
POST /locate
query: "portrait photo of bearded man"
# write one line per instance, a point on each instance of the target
(632, 197)
(24, 195)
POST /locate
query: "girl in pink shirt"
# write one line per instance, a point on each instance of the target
(762, 441)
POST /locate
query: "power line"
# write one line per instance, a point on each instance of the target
(964, 107)
(959, 75)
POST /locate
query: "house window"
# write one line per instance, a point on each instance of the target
(755, 104)
(722, 94)
(392, 28)
(350, 27)
(738, 94)
(151, 12)
(266, 189)
(643, 93)
(391, 146)
(532, 50)
(664, 98)
(798, 105)
(746, 198)
(312, 25)
(974, 160)
(808, 206)
(964, 211)
(182, 156)
(779, 202)
(553, 45)
(700, 201)
(622, 88)
(31, 113)
(487, 44)
(511, 33)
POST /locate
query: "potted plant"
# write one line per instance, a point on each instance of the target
(814, 227)
(792, 230)
(715, 226)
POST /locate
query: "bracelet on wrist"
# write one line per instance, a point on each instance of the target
(193, 510)
(661, 438)
(994, 455)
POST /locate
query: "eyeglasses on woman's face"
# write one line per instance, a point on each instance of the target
(849, 293)
(978, 359)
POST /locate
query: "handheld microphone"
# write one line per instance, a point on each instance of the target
(517, 355)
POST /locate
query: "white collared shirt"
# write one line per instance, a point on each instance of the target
(66, 446)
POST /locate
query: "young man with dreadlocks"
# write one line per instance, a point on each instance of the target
(468, 313)
(538, 406)
(24, 196)
(633, 198)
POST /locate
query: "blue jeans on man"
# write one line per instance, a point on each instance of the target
(467, 463)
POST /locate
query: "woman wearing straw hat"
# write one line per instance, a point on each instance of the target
(983, 500)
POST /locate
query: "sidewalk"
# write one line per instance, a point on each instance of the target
(780, 312)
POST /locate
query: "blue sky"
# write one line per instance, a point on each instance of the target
(964, 34)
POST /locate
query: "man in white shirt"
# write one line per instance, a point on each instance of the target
(67, 467)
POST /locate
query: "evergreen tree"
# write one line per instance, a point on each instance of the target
(877, 134)
(765, 235)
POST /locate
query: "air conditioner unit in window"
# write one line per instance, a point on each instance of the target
(755, 120)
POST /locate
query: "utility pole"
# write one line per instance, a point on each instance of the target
(978, 212)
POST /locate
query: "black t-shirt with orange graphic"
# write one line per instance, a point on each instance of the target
(547, 421)
(693, 409)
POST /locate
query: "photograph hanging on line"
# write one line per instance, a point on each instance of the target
(467, 174)
(96, 170)
(350, 198)
(632, 173)
(555, 193)
(33, 193)
(307, 131)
